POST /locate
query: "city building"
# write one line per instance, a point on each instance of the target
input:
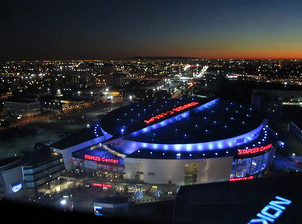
(23, 175)
(53, 105)
(294, 124)
(265, 200)
(267, 103)
(179, 141)
(296, 130)
(23, 107)
(11, 179)
(41, 168)
(111, 206)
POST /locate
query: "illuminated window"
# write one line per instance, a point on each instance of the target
(191, 173)
(250, 166)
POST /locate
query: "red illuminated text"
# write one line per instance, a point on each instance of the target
(254, 150)
(101, 185)
(241, 178)
(177, 109)
(100, 159)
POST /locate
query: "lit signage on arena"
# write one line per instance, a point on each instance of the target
(272, 211)
(100, 159)
(241, 178)
(254, 150)
(170, 112)
(101, 185)
(17, 187)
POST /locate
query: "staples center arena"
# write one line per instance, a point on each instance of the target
(176, 141)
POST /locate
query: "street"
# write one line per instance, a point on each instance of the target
(24, 138)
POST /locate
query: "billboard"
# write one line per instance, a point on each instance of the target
(98, 165)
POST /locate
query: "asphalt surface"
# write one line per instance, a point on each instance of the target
(23, 139)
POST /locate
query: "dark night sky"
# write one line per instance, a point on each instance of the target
(83, 29)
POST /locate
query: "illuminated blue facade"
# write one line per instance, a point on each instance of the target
(132, 146)
(156, 140)
(213, 126)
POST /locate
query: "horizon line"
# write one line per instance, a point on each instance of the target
(154, 57)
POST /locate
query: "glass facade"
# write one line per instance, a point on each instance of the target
(191, 173)
(42, 173)
(32, 170)
(250, 166)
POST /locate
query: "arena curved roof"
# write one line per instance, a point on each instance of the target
(203, 122)
(128, 119)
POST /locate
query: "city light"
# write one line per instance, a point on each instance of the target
(100, 159)
(101, 185)
(177, 109)
(152, 110)
(271, 211)
(254, 150)
(241, 178)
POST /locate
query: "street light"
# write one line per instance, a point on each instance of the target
(63, 202)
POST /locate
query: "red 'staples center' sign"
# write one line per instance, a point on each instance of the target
(100, 159)
(170, 112)
(254, 150)
(241, 178)
(101, 185)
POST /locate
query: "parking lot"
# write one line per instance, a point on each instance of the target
(23, 139)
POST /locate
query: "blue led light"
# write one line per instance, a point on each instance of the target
(129, 147)
(210, 145)
(203, 146)
(272, 211)
(97, 210)
(17, 187)
(188, 147)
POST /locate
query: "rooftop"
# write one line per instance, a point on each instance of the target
(131, 118)
(266, 137)
(98, 152)
(112, 200)
(78, 137)
(239, 201)
(38, 158)
(220, 120)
